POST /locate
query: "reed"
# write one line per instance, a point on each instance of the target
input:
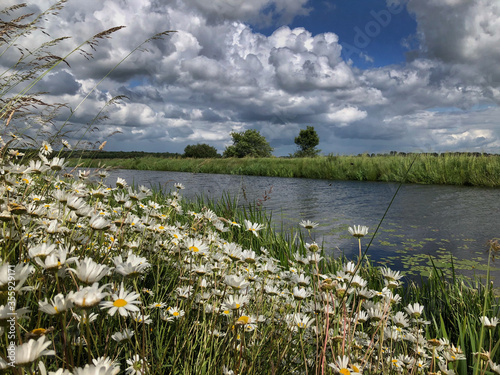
(448, 168)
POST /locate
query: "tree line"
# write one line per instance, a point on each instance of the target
(251, 143)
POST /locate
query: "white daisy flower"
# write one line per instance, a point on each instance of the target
(32, 350)
(123, 335)
(137, 366)
(124, 302)
(358, 231)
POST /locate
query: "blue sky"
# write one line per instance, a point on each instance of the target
(364, 27)
(369, 75)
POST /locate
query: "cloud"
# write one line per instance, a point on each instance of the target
(461, 32)
(262, 12)
(216, 74)
(346, 115)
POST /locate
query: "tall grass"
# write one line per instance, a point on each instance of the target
(448, 168)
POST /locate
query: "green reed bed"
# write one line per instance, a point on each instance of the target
(451, 169)
(99, 279)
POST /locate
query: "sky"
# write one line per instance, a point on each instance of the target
(369, 75)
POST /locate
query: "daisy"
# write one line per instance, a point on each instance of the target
(234, 302)
(20, 273)
(66, 144)
(358, 231)
(489, 323)
(308, 224)
(57, 305)
(157, 305)
(196, 246)
(89, 296)
(301, 280)
(126, 334)
(176, 312)
(300, 293)
(236, 282)
(123, 302)
(400, 319)
(184, 292)
(75, 203)
(89, 271)
(56, 164)
(415, 310)
(137, 366)
(253, 227)
(43, 370)
(312, 247)
(249, 256)
(32, 350)
(341, 365)
(391, 275)
(300, 321)
(101, 368)
(133, 266)
(41, 251)
(46, 149)
(140, 318)
(97, 222)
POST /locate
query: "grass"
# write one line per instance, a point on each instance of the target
(448, 168)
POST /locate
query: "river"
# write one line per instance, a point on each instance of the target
(423, 222)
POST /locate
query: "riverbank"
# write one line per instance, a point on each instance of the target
(208, 287)
(447, 169)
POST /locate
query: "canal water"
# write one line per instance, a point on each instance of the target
(424, 224)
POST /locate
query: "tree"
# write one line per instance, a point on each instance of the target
(307, 141)
(200, 151)
(249, 143)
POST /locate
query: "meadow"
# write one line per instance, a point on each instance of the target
(98, 279)
(448, 168)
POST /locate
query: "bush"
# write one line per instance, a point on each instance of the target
(249, 143)
(200, 151)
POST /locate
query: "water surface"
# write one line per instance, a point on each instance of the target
(423, 220)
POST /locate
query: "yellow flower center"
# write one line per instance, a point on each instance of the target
(175, 313)
(302, 325)
(238, 305)
(344, 371)
(243, 319)
(120, 302)
(55, 308)
(38, 331)
(194, 249)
